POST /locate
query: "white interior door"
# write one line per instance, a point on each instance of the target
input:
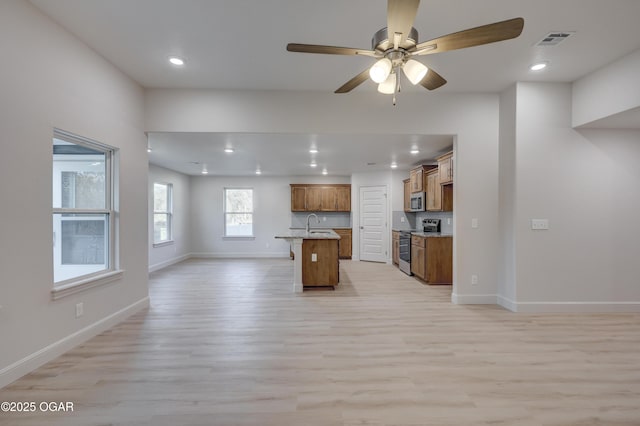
(373, 224)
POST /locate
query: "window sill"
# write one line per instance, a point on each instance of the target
(163, 243)
(85, 284)
(239, 238)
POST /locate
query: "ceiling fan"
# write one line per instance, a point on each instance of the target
(396, 45)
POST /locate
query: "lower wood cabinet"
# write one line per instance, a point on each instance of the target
(344, 244)
(325, 270)
(395, 247)
(432, 259)
(417, 256)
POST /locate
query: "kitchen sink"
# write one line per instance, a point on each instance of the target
(319, 232)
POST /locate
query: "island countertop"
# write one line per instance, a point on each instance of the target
(325, 234)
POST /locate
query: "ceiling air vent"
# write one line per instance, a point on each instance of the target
(555, 38)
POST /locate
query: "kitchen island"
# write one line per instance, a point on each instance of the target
(315, 261)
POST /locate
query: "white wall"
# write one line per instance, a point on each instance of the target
(588, 185)
(507, 211)
(51, 79)
(473, 118)
(272, 215)
(611, 90)
(167, 254)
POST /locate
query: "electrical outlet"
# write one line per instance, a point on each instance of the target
(474, 279)
(448, 221)
(324, 218)
(474, 222)
(402, 219)
(539, 224)
(79, 309)
(267, 245)
(314, 257)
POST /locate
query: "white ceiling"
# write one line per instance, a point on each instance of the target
(288, 154)
(240, 44)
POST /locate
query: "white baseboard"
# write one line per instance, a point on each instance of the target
(242, 255)
(173, 261)
(576, 307)
(507, 303)
(473, 299)
(29, 363)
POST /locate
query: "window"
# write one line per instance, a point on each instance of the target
(238, 212)
(162, 208)
(83, 215)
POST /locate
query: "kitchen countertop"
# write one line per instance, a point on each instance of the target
(326, 234)
(430, 234)
(404, 230)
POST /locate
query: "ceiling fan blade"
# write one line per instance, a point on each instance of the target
(400, 17)
(485, 34)
(329, 50)
(354, 82)
(432, 80)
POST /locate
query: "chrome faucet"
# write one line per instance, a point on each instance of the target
(309, 217)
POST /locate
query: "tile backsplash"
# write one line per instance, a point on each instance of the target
(414, 220)
(327, 220)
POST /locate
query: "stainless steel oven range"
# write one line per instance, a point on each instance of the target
(405, 252)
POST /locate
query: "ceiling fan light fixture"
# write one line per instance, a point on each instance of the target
(388, 87)
(176, 61)
(380, 71)
(415, 71)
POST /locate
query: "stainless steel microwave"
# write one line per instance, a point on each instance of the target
(417, 202)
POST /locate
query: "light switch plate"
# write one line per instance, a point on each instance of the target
(314, 257)
(539, 224)
(474, 222)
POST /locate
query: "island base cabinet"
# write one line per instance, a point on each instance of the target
(439, 260)
(320, 270)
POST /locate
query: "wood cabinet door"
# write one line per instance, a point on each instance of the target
(343, 202)
(328, 199)
(416, 180)
(344, 246)
(407, 195)
(445, 168)
(418, 261)
(438, 266)
(314, 199)
(434, 192)
(298, 198)
(395, 250)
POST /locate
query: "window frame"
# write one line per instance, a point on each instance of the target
(225, 213)
(168, 213)
(111, 272)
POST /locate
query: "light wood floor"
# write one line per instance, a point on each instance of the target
(226, 342)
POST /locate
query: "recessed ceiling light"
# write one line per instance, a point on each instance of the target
(228, 150)
(394, 166)
(176, 61)
(539, 66)
(148, 149)
(258, 172)
(324, 172)
(415, 151)
(313, 150)
(204, 172)
(313, 165)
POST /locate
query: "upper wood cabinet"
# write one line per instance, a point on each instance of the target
(320, 198)
(434, 191)
(407, 195)
(343, 198)
(439, 197)
(298, 199)
(445, 168)
(418, 178)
